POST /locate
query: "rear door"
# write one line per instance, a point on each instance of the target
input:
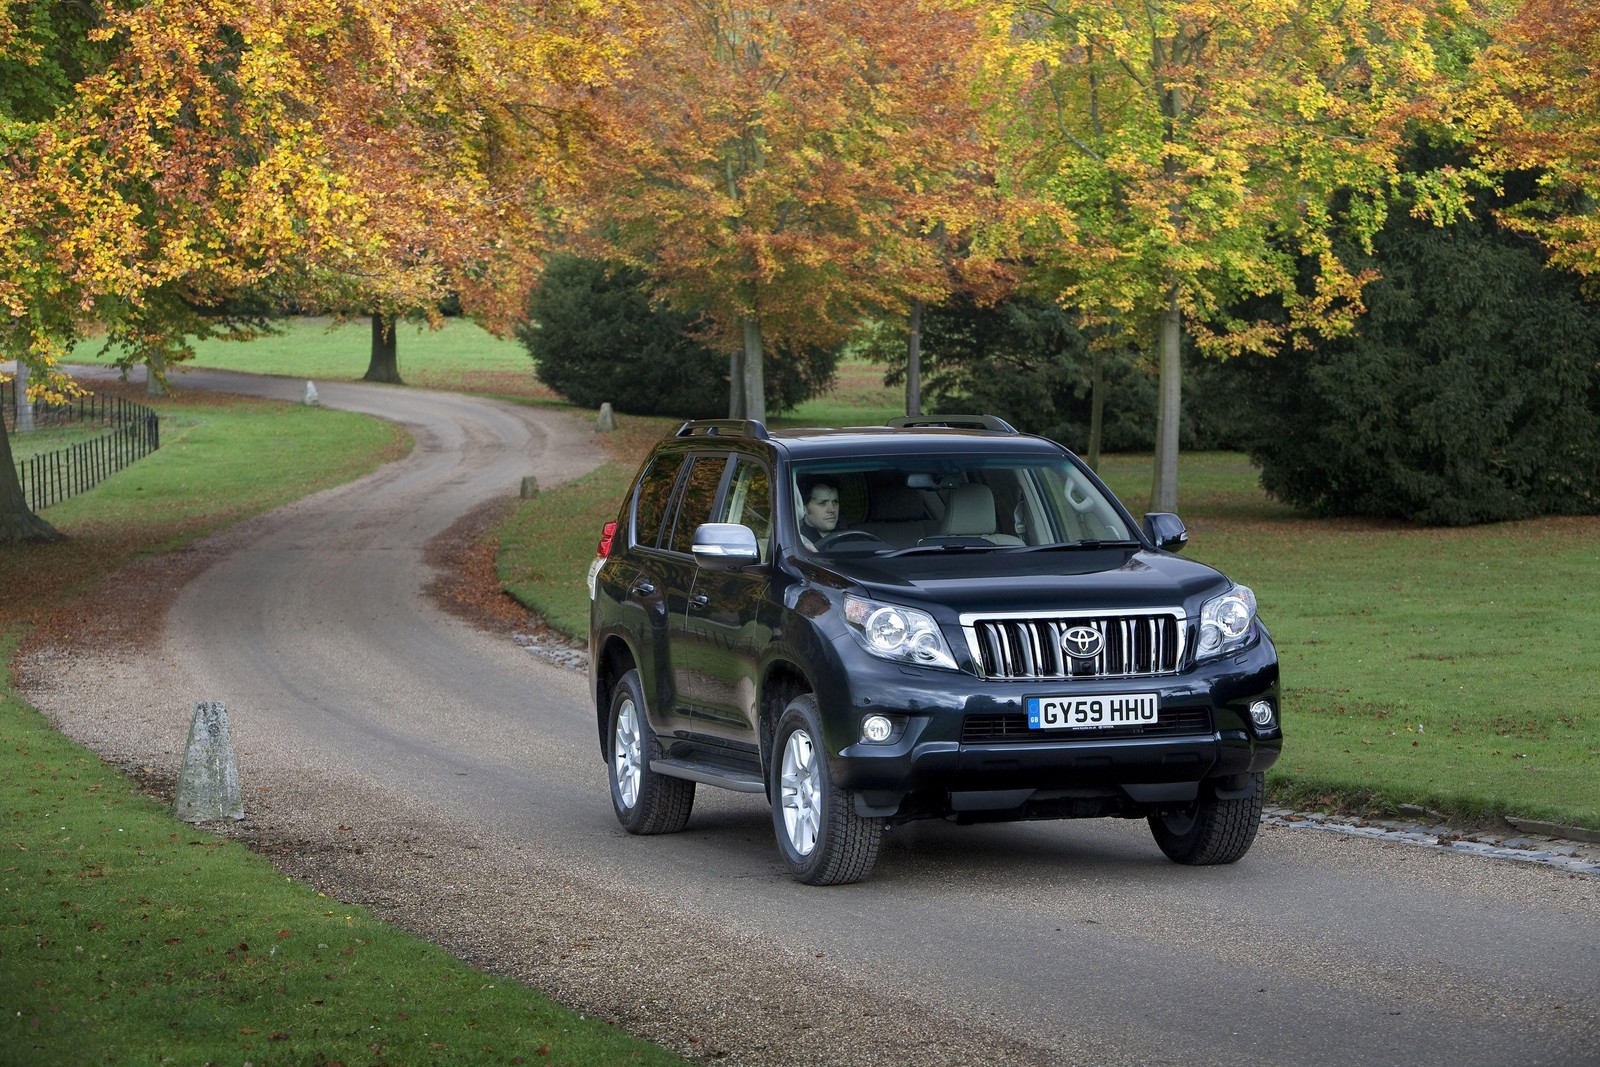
(677, 569)
(642, 601)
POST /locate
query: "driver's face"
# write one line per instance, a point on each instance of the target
(822, 510)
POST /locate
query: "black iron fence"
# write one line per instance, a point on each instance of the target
(134, 431)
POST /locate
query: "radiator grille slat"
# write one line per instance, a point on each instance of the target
(1131, 646)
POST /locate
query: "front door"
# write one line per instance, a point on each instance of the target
(726, 626)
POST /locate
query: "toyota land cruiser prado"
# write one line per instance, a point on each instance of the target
(939, 618)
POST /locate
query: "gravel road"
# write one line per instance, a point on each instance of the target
(397, 756)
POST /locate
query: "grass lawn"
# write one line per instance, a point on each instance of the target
(129, 937)
(458, 356)
(1434, 667)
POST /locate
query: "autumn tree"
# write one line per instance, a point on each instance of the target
(1538, 97)
(443, 114)
(777, 167)
(1205, 152)
(377, 152)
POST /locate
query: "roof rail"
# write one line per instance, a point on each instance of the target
(724, 428)
(952, 422)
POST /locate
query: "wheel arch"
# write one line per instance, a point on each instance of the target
(612, 660)
(782, 682)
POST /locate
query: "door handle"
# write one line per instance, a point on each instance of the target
(643, 589)
(701, 601)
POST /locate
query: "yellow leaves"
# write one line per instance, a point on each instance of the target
(1202, 145)
(1535, 104)
(374, 145)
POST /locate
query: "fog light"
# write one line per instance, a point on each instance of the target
(1261, 712)
(876, 729)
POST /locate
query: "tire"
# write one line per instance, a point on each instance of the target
(645, 802)
(1210, 831)
(822, 839)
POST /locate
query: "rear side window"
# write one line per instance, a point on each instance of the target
(655, 493)
(699, 492)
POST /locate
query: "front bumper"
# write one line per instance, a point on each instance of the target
(937, 763)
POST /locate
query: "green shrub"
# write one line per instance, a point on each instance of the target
(597, 337)
(1470, 393)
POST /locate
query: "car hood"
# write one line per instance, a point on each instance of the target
(1069, 580)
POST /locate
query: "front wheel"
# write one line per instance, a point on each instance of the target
(823, 840)
(1210, 830)
(645, 802)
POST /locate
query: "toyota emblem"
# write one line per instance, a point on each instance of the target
(1081, 642)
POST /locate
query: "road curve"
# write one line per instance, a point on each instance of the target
(400, 758)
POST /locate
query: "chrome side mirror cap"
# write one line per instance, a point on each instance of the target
(725, 545)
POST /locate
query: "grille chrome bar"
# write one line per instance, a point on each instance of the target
(1025, 648)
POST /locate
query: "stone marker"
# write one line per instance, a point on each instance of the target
(208, 785)
(530, 486)
(607, 420)
(311, 396)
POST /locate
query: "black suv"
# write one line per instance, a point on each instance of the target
(939, 618)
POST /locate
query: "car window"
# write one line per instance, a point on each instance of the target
(655, 492)
(749, 502)
(694, 507)
(893, 503)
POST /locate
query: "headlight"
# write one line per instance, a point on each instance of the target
(903, 635)
(1227, 622)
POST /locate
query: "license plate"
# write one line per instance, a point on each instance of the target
(1091, 713)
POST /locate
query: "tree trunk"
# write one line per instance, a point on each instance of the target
(24, 405)
(755, 379)
(736, 384)
(18, 523)
(1097, 407)
(914, 361)
(385, 363)
(155, 374)
(1164, 488)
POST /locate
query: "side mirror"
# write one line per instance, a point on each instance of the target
(1166, 530)
(725, 545)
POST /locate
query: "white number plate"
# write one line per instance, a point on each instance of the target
(1091, 713)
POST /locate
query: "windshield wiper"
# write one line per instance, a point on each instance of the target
(1087, 543)
(918, 550)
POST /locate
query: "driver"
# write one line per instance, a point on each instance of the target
(822, 511)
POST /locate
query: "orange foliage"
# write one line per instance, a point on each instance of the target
(1540, 109)
(790, 163)
(376, 153)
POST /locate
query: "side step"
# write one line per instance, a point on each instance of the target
(722, 777)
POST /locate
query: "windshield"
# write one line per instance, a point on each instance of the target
(950, 502)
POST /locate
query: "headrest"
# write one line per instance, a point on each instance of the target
(971, 511)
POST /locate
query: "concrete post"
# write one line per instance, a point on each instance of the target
(311, 396)
(607, 420)
(208, 785)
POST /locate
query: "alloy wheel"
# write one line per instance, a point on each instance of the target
(627, 754)
(801, 783)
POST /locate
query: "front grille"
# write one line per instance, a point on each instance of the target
(991, 729)
(1024, 649)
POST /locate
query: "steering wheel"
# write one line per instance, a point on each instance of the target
(839, 536)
